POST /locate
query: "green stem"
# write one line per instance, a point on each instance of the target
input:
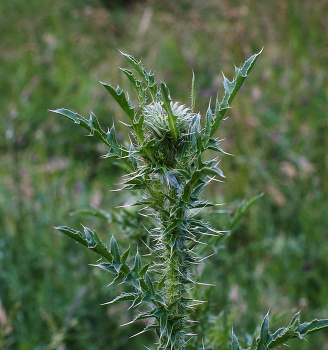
(175, 257)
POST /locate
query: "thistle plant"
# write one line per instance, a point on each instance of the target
(163, 157)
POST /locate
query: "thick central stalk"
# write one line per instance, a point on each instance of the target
(175, 259)
(173, 292)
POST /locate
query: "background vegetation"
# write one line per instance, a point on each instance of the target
(52, 55)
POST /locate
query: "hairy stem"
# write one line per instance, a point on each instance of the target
(175, 256)
(174, 290)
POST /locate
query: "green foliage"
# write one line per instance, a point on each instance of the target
(266, 340)
(164, 160)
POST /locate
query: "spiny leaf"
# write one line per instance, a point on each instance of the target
(117, 263)
(172, 180)
(76, 235)
(143, 270)
(148, 283)
(125, 255)
(97, 245)
(163, 324)
(195, 136)
(158, 299)
(119, 96)
(231, 88)
(214, 145)
(213, 171)
(141, 316)
(171, 118)
(241, 74)
(228, 87)
(152, 326)
(161, 282)
(136, 65)
(295, 321)
(264, 334)
(219, 114)
(195, 192)
(145, 201)
(313, 326)
(107, 267)
(137, 86)
(266, 340)
(148, 78)
(114, 250)
(138, 128)
(137, 180)
(208, 126)
(137, 263)
(184, 173)
(199, 204)
(123, 297)
(199, 176)
(114, 144)
(92, 124)
(234, 343)
(90, 240)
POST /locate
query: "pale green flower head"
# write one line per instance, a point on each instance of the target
(157, 123)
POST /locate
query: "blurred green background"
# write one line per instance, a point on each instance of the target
(52, 55)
